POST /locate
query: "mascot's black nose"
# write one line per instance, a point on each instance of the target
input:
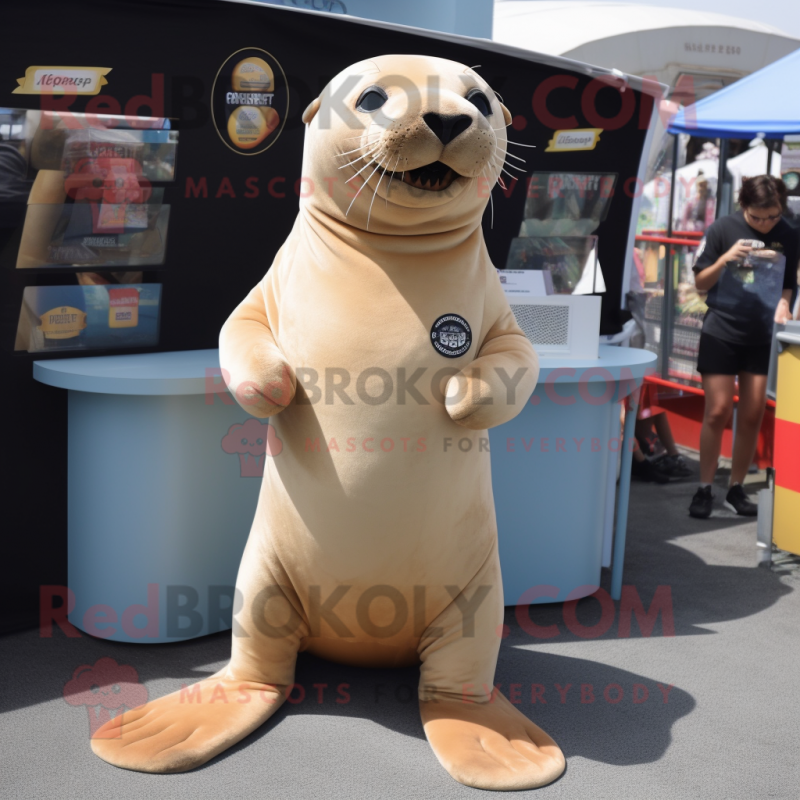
(447, 128)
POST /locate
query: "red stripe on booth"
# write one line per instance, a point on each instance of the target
(787, 455)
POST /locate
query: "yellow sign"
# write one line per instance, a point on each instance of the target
(62, 80)
(576, 139)
(249, 126)
(62, 323)
(123, 308)
(253, 75)
(250, 101)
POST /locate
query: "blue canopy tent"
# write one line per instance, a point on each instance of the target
(766, 103)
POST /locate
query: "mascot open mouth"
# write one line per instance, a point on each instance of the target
(432, 177)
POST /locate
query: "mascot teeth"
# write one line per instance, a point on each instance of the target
(432, 177)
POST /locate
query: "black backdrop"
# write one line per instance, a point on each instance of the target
(219, 246)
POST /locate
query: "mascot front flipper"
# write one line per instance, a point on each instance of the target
(381, 346)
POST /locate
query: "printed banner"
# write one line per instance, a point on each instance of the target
(66, 80)
(250, 101)
(578, 139)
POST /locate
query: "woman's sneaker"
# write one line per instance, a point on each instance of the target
(702, 503)
(674, 466)
(736, 500)
(648, 471)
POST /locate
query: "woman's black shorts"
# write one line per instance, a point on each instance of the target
(718, 357)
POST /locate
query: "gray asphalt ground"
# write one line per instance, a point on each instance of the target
(717, 715)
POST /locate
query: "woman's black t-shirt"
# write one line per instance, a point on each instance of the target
(741, 304)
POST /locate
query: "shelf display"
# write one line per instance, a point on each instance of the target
(88, 317)
(567, 203)
(562, 211)
(148, 154)
(570, 261)
(95, 234)
(88, 205)
(92, 202)
(556, 240)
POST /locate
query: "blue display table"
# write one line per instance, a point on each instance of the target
(162, 493)
(164, 475)
(554, 471)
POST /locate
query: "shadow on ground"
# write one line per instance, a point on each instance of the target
(604, 713)
(593, 710)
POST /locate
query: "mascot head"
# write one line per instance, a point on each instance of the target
(405, 145)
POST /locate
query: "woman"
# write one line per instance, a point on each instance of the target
(746, 293)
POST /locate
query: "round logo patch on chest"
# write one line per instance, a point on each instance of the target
(451, 335)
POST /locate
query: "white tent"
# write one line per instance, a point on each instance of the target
(665, 43)
(655, 195)
(752, 161)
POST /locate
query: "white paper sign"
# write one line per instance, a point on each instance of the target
(525, 282)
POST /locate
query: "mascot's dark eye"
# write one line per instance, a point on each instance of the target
(371, 99)
(481, 102)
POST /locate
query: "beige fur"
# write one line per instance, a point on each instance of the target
(402, 527)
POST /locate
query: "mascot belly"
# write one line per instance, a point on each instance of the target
(381, 346)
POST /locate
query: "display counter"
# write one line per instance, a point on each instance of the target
(164, 474)
(554, 472)
(162, 489)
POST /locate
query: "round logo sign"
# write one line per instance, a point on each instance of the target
(249, 101)
(451, 335)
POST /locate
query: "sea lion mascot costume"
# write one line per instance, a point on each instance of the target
(381, 346)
